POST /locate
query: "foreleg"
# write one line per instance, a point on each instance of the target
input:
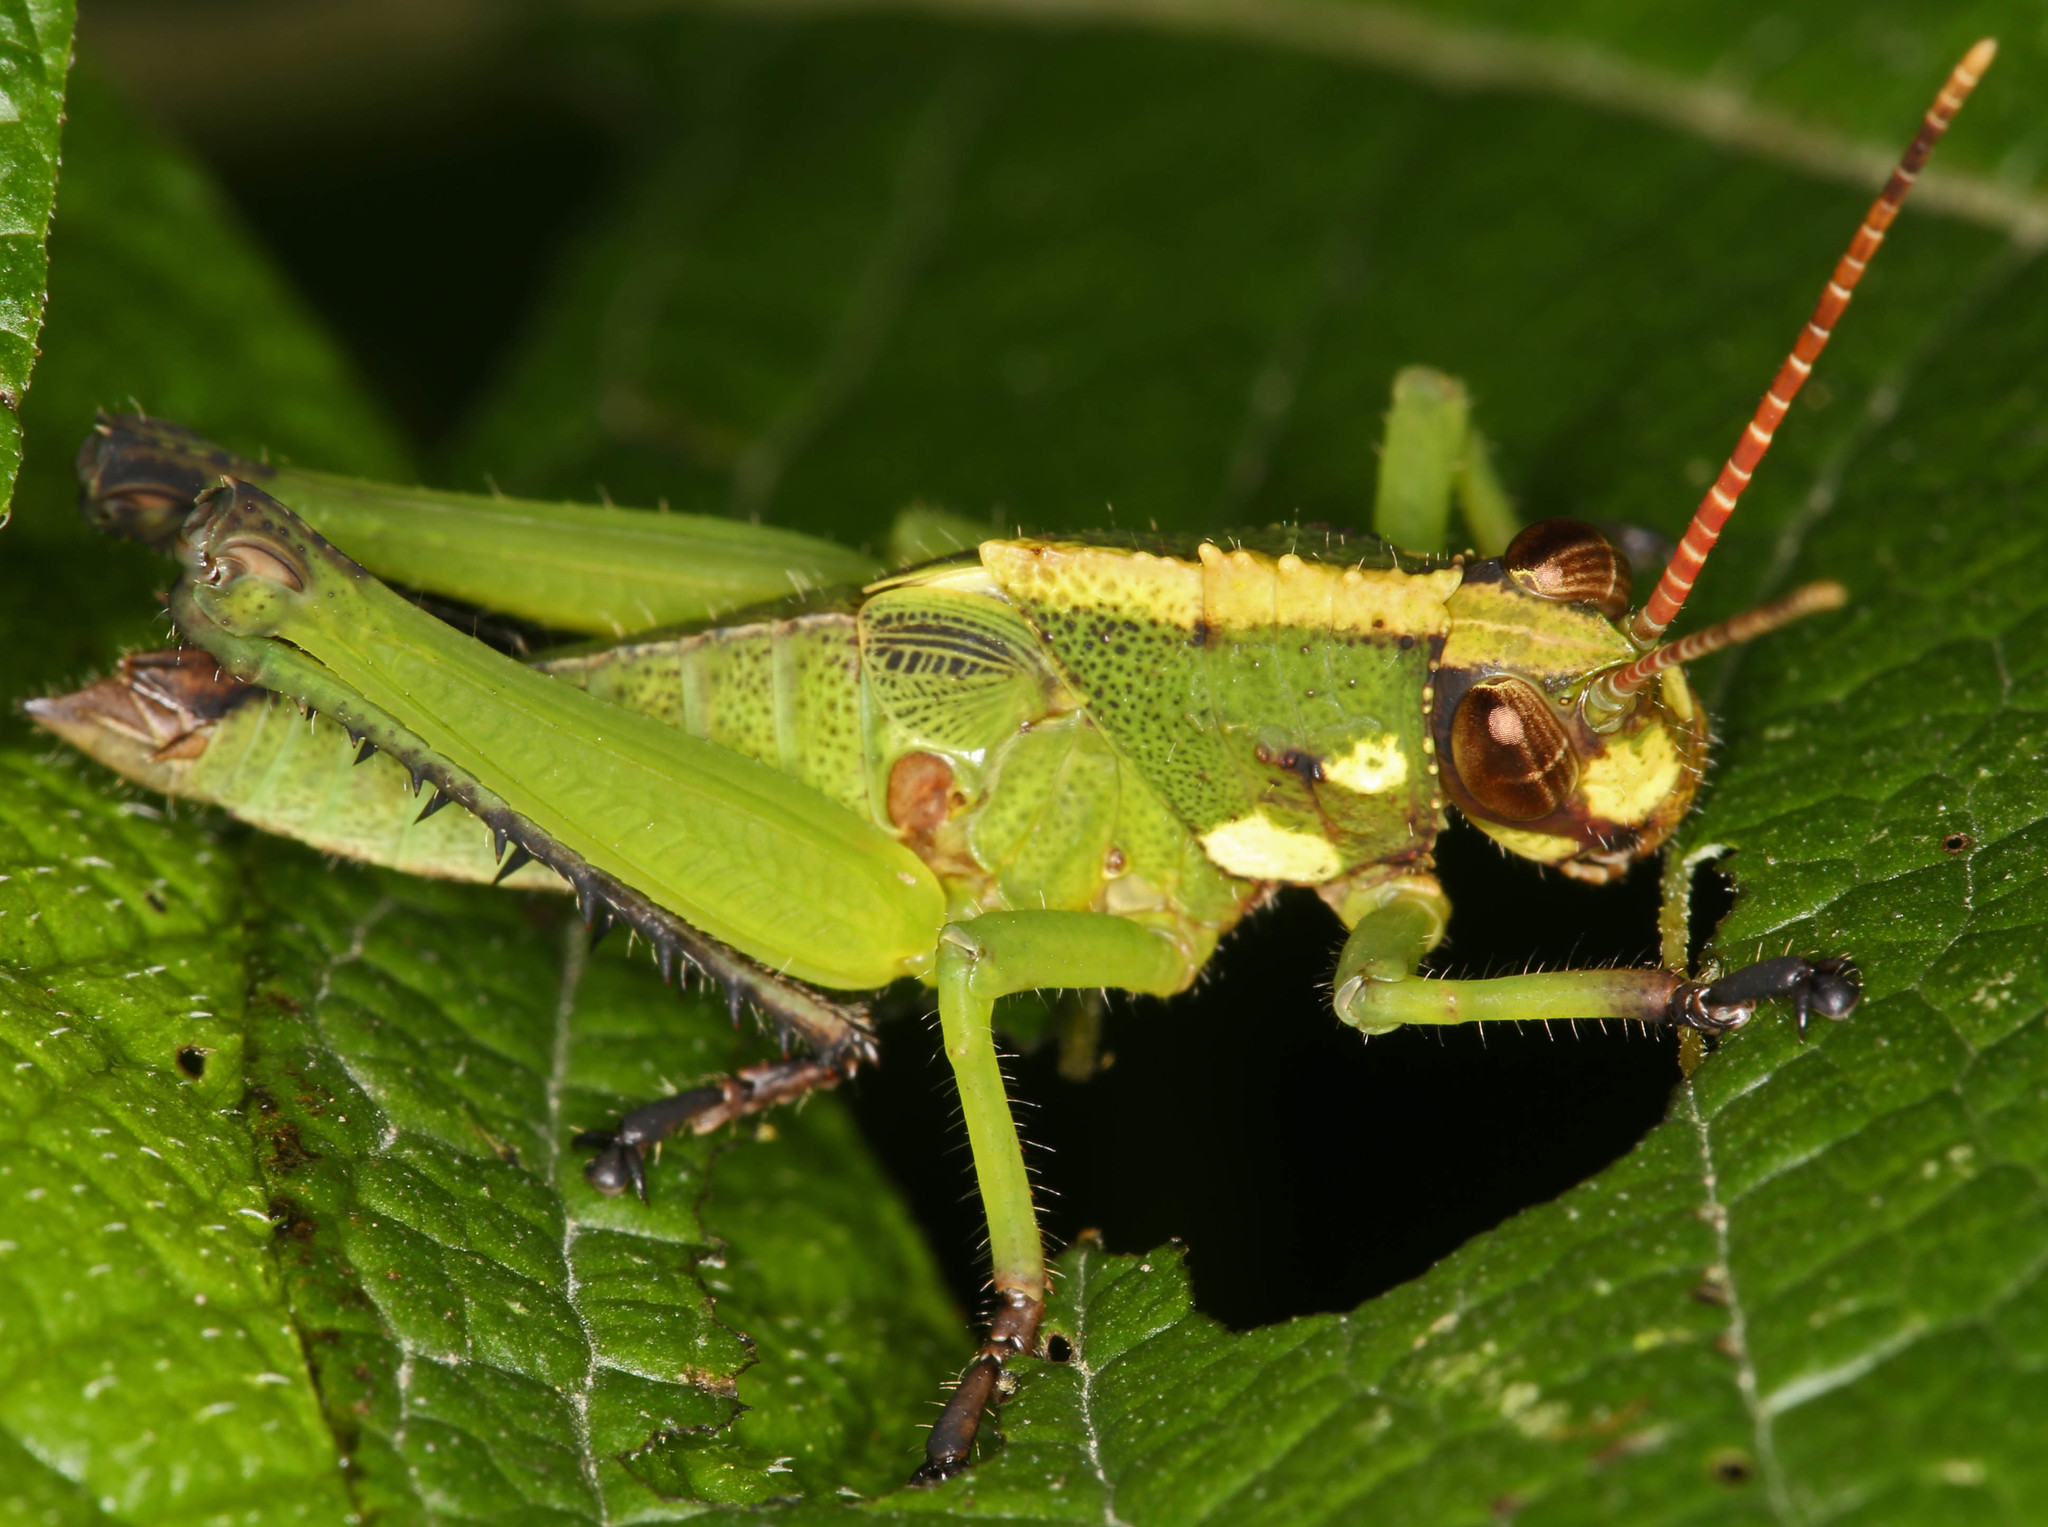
(1400, 922)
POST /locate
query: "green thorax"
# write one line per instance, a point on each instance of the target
(1277, 699)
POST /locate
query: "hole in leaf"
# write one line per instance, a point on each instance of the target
(192, 1061)
(1958, 843)
(1713, 897)
(1731, 1467)
(1305, 1169)
(1058, 1349)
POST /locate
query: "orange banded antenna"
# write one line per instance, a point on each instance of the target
(1810, 599)
(1670, 594)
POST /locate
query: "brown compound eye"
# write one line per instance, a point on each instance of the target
(1570, 560)
(1512, 751)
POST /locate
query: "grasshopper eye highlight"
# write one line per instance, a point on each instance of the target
(1570, 560)
(1511, 751)
(253, 559)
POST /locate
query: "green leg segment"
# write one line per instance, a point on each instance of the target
(1378, 989)
(1419, 455)
(1397, 923)
(571, 567)
(980, 960)
(1489, 513)
(1430, 455)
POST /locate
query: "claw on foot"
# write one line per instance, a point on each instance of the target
(621, 1160)
(1830, 987)
(1014, 1330)
(617, 1165)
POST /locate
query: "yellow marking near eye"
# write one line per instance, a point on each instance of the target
(1496, 625)
(1677, 694)
(1256, 849)
(1374, 765)
(1634, 777)
(1543, 847)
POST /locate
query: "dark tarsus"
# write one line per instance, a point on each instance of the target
(1831, 988)
(622, 1152)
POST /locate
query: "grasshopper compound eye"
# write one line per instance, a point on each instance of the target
(1570, 560)
(1512, 752)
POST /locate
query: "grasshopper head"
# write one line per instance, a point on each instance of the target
(246, 558)
(1563, 724)
(1516, 750)
(1561, 732)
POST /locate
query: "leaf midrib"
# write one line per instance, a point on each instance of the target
(1465, 56)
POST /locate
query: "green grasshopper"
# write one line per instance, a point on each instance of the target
(1065, 762)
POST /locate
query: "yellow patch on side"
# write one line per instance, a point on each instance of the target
(1543, 847)
(1255, 849)
(1162, 589)
(1244, 590)
(1374, 765)
(1633, 778)
(1226, 590)
(1496, 625)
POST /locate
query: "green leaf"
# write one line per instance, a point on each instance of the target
(35, 53)
(1030, 274)
(1823, 88)
(153, 1370)
(295, 1204)
(147, 1359)
(489, 1335)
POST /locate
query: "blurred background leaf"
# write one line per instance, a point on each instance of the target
(1062, 264)
(35, 53)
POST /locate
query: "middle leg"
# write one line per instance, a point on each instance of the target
(980, 960)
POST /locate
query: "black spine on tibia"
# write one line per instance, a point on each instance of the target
(835, 1034)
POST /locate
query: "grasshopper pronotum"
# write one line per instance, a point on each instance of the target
(1058, 762)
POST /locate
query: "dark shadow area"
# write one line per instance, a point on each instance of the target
(1306, 1168)
(424, 245)
(1712, 898)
